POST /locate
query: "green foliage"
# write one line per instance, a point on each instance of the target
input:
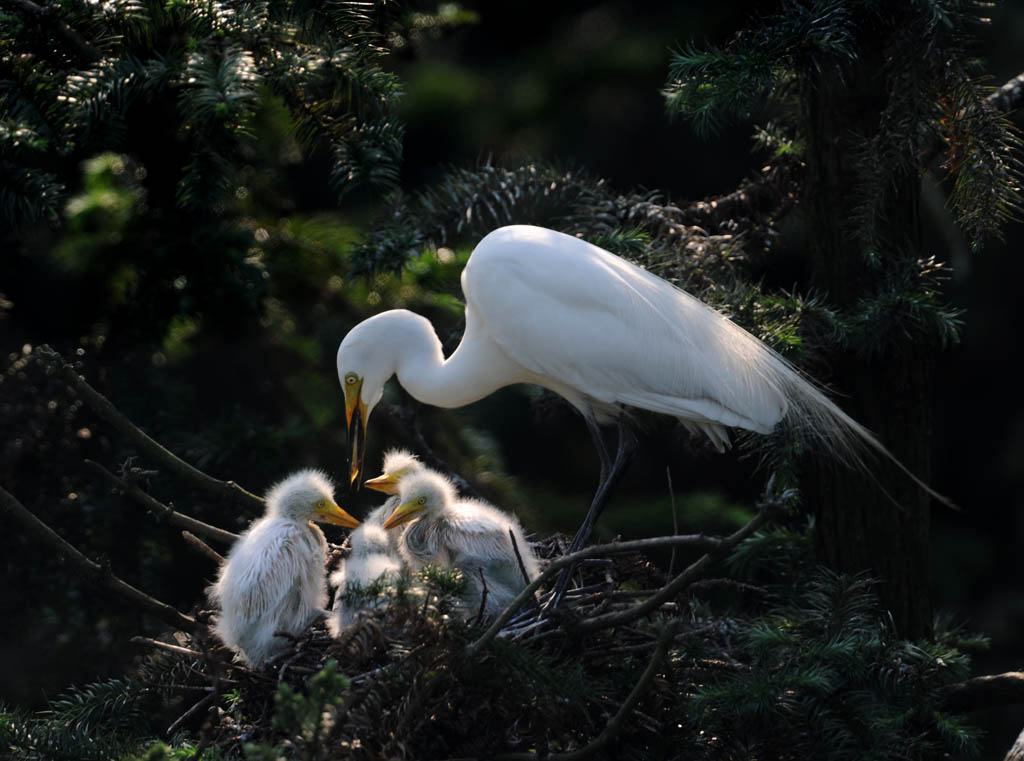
(933, 98)
(824, 677)
(708, 86)
(207, 69)
(306, 719)
(101, 721)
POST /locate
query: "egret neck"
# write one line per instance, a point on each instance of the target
(477, 368)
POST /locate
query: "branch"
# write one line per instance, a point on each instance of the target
(50, 16)
(1016, 753)
(691, 540)
(692, 572)
(1009, 97)
(108, 412)
(202, 547)
(983, 692)
(162, 511)
(155, 643)
(94, 571)
(625, 710)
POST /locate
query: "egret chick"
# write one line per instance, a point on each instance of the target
(273, 578)
(374, 549)
(469, 534)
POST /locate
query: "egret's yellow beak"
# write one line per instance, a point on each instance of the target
(355, 416)
(386, 483)
(331, 513)
(404, 513)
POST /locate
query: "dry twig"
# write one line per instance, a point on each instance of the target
(93, 570)
(153, 449)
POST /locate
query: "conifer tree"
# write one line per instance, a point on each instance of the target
(870, 97)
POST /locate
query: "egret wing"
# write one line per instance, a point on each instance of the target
(476, 529)
(593, 323)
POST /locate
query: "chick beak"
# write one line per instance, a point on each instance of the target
(385, 483)
(331, 513)
(355, 416)
(403, 514)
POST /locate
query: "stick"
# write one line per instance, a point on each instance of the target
(675, 519)
(679, 583)
(162, 511)
(983, 692)
(519, 558)
(177, 649)
(625, 710)
(202, 547)
(108, 412)
(94, 571)
(483, 595)
(190, 712)
(690, 540)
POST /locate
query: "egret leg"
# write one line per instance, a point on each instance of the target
(611, 473)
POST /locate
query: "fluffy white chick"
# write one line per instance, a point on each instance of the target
(467, 534)
(273, 578)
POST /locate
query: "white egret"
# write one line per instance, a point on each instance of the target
(374, 549)
(547, 308)
(273, 577)
(466, 534)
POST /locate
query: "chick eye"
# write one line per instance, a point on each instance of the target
(321, 503)
(421, 501)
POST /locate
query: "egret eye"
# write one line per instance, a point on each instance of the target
(321, 504)
(421, 501)
(351, 378)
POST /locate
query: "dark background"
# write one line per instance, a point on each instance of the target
(576, 84)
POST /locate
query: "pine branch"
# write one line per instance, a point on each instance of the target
(49, 16)
(108, 412)
(160, 510)
(614, 726)
(97, 573)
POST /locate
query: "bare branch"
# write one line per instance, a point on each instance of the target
(692, 572)
(166, 646)
(689, 540)
(1010, 96)
(106, 410)
(983, 692)
(1016, 753)
(519, 558)
(162, 511)
(203, 702)
(94, 571)
(202, 547)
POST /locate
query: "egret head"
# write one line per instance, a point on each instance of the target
(364, 365)
(368, 356)
(307, 495)
(419, 494)
(398, 464)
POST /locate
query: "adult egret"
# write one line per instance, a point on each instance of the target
(374, 550)
(273, 577)
(547, 308)
(470, 535)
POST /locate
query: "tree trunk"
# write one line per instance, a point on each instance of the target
(858, 526)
